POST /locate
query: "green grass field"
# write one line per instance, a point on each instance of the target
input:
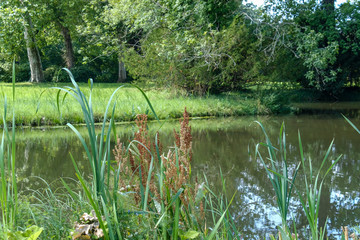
(36, 104)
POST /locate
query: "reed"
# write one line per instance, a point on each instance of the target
(278, 173)
(313, 185)
(352, 124)
(165, 202)
(8, 188)
(102, 198)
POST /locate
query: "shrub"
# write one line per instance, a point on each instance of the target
(81, 73)
(50, 73)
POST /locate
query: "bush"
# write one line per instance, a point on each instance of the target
(275, 102)
(50, 73)
(23, 73)
(4, 72)
(81, 73)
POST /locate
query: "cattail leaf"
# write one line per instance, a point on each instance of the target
(356, 129)
(90, 83)
(13, 80)
(216, 227)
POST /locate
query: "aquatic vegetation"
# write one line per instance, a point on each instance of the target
(165, 201)
(283, 184)
(278, 172)
(8, 187)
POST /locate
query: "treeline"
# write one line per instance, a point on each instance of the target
(199, 45)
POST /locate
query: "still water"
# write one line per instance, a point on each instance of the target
(227, 144)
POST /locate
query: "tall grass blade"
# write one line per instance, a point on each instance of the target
(278, 171)
(174, 198)
(108, 220)
(313, 188)
(176, 219)
(93, 203)
(216, 227)
(356, 129)
(147, 100)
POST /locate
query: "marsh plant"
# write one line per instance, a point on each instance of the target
(145, 193)
(8, 189)
(278, 170)
(176, 203)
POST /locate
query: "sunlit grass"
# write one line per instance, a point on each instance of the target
(36, 104)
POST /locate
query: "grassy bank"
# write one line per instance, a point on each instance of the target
(37, 103)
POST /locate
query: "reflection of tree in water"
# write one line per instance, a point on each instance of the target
(255, 206)
(226, 144)
(49, 160)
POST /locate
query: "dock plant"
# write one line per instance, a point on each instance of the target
(145, 193)
(178, 203)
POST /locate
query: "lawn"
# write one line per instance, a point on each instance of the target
(36, 104)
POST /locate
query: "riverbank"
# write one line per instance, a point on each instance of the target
(146, 212)
(36, 104)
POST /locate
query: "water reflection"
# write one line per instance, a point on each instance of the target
(228, 144)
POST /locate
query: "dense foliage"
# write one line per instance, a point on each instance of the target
(201, 46)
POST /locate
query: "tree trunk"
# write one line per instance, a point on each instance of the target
(33, 53)
(122, 71)
(69, 57)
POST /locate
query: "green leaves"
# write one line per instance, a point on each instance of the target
(318, 60)
(98, 153)
(191, 234)
(283, 184)
(278, 171)
(31, 233)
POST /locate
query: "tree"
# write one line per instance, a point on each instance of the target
(16, 13)
(37, 74)
(64, 16)
(348, 23)
(175, 42)
(311, 34)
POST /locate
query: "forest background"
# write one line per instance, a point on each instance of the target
(202, 46)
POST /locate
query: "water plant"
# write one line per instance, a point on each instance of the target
(100, 196)
(352, 124)
(178, 205)
(313, 186)
(9, 201)
(278, 173)
(165, 203)
(8, 187)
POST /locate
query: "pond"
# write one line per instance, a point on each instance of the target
(227, 144)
